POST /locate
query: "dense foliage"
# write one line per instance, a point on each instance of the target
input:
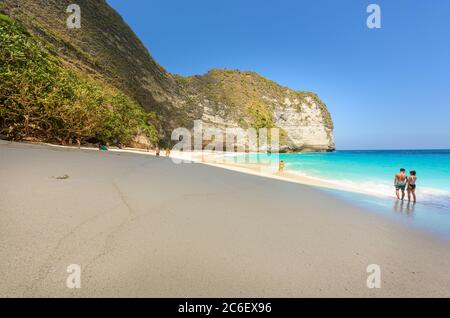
(44, 100)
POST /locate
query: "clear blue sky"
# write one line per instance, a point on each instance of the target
(387, 88)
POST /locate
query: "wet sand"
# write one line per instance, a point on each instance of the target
(141, 226)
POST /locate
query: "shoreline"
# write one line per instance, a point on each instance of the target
(384, 202)
(202, 158)
(255, 169)
(145, 227)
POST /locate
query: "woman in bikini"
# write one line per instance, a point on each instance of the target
(412, 179)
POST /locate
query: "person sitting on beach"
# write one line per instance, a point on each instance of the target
(400, 182)
(412, 185)
(102, 147)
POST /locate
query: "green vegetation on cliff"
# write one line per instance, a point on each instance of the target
(92, 83)
(249, 97)
(105, 48)
(42, 99)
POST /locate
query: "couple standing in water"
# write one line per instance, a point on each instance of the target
(403, 182)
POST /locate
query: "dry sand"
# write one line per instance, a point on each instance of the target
(141, 226)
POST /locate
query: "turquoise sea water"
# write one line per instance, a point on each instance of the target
(372, 172)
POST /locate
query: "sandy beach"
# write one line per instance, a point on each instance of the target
(142, 226)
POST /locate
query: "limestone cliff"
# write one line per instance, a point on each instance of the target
(231, 98)
(106, 49)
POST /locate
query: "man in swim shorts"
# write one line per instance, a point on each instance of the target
(400, 182)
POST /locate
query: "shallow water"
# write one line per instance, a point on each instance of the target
(367, 177)
(433, 220)
(372, 172)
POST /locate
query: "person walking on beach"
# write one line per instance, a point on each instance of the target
(157, 151)
(281, 166)
(412, 185)
(400, 182)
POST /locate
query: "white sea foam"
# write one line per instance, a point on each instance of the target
(429, 196)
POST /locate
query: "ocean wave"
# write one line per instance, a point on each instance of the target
(428, 196)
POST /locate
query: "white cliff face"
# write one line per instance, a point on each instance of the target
(235, 99)
(216, 119)
(304, 125)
